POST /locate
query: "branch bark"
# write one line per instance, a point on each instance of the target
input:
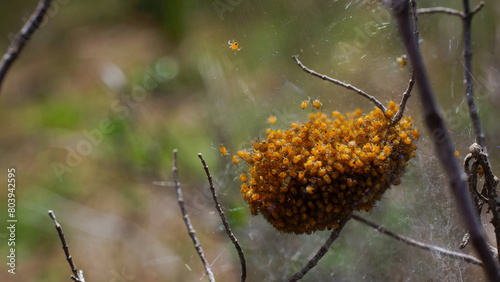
(187, 221)
(442, 141)
(22, 37)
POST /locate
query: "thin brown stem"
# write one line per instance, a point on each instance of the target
(224, 221)
(442, 10)
(22, 37)
(406, 95)
(340, 83)
(443, 144)
(321, 252)
(420, 245)
(77, 274)
(449, 11)
(185, 216)
(469, 89)
(477, 8)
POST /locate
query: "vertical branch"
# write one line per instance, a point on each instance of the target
(224, 221)
(321, 252)
(469, 89)
(474, 116)
(190, 228)
(22, 37)
(406, 95)
(77, 274)
(442, 141)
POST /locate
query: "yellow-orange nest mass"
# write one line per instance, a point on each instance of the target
(310, 176)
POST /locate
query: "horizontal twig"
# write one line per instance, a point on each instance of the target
(340, 83)
(420, 245)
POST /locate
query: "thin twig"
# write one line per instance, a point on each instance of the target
(321, 252)
(415, 243)
(224, 221)
(406, 95)
(449, 11)
(189, 226)
(340, 83)
(442, 141)
(22, 37)
(477, 8)
(443, 10)
(469, 89)
(77, 274)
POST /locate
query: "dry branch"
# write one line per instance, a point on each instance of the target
(321, 252)
(190, 228)
(22, 37)
(420, 245)
(224, 221)
(77, 274)
(340, 83)
(442, 141)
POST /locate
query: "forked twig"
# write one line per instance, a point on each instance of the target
(77, 274)
(321, 252)
(190, 228)
(224, 221)
(449, 11)
(340, 83)
(442, 141)
(22, 37)
(415, 243)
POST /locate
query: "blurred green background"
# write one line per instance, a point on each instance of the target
(104, 92)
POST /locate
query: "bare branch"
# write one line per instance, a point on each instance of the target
(477, 8)
(22, 37)
(77, 274)
(406, 95)
(469, 90)
(442, 141)
(340, 83)
(224, 221)
(321, 252)
(449, 11)
(420, 245)
(185, 216)
(443, 10)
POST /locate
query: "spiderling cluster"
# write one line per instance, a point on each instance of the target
(311, 175)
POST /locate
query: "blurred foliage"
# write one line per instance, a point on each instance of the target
(118, 223)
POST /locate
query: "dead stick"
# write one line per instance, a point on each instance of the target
(224, 221)
(190, 228)
(22, 37)
(415, 243)
(77, 275)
